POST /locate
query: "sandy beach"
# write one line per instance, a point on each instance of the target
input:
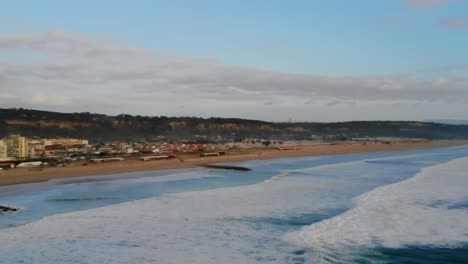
(78, 169)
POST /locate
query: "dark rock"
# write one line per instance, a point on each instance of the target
(226, 167)
(5, 209)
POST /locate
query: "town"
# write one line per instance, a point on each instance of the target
(17, 151)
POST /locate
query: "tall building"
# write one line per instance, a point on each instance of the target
(3, 150)
(17, 146)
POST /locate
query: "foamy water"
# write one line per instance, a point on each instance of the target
(420, 211)
(305, 210)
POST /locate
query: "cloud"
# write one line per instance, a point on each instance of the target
(39, 99)
(51, 100)
(459, 24)
(426, 3)
(73, 72)
(61, 100)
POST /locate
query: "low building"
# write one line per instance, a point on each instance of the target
(29, 164)
(211, 154)
(106, 160)
(159, 157)
(66, 142)
(36, 148)
(7, 165)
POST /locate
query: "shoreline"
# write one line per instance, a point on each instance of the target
(23, 176)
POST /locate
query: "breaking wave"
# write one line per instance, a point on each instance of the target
(425, 210)
(244, 219)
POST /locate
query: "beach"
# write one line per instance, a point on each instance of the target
(79, 169)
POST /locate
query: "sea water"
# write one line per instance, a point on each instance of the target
(393, 207)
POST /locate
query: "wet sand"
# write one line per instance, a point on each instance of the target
(77, 169)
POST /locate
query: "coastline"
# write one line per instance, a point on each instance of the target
(22, 176)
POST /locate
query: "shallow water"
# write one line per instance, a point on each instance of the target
(262, 216)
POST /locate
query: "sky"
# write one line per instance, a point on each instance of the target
(308, 60)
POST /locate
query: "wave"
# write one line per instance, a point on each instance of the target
(278, 177)
(209, 226)
(246, 223)
(418, 211)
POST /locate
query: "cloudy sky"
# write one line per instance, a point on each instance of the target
(309, 60)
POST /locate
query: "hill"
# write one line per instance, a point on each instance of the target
(99, 127)
(450, 121)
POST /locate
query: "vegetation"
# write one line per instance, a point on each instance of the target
(98, 127)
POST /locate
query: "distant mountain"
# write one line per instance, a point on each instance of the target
(450, 121)
(99, 127)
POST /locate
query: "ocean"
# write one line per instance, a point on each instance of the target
(388, 207)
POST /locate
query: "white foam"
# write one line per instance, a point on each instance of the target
(399, 214)
(210, 227)
(193, 227)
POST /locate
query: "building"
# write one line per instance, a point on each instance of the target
(36, 148)
(29, 164)
(3, 150)
(66, 142)
(17, 146)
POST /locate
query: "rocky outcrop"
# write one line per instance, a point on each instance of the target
(6, 209)
(226, 167)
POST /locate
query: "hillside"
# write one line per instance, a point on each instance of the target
(98, 127)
